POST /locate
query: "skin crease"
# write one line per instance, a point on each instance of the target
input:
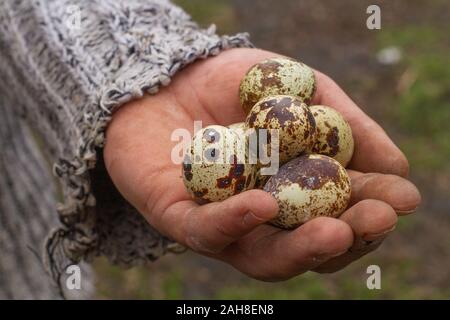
(137, 156)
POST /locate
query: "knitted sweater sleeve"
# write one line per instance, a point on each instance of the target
(69, 64)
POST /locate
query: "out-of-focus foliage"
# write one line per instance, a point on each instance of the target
(422, 108)
(206, 12)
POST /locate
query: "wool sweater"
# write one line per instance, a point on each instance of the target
(65, 67)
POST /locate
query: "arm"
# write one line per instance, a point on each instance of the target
(66, 83)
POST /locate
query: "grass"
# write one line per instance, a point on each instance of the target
(206, 12)
(422, 107)
(173, 286)
(113, 282)
(308, 286)
(398, 281)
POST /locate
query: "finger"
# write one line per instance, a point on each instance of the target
(374, 150)
(211, 227)
(398, 192)
(285, 254)
(371, 221)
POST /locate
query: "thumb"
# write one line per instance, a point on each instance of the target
(212, 227)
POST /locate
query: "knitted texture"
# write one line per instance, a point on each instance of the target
(68, 65)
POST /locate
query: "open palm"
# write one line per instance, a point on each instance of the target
(138, 158)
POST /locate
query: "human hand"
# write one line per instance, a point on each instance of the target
(138, 158)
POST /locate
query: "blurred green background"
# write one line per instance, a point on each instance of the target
(399, 75)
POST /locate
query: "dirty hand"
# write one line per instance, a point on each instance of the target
(138, 158)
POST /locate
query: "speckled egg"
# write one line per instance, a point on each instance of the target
(307, 187)
(215, 165)
(334, 135)
(293, 119)
(251, 151)
(251, 148)
(260, 180)
(238, 126)
(276, 76)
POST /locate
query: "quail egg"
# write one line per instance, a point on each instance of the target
(334, 135)
(293, 120)
(307, 187)
(215, 166)
(276, 76)
(237, 126)
(241, 129)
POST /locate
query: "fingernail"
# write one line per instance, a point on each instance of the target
(327, 256)
(251, 219)
(375, 236)
(405, 212)
(338, 254)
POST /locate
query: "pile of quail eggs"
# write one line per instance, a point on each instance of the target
(315, 144)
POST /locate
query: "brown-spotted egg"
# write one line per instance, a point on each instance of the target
(293, 120)
(334, 134)
(251, 151)
(276, 76)
(260, 180)
(215, 165)
(309, 186)
(238, 126)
